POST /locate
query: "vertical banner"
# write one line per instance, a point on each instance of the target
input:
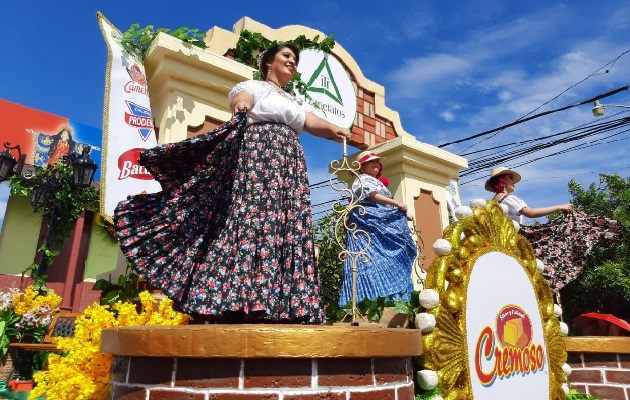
(127, 125)
(453, 199)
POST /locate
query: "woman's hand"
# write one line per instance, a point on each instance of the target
(343, 133)
(241, 101)
(565, 207)
(402, 207)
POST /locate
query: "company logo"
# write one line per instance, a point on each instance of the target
(329, 86)
(138, 83)
(128, 166)
(509, 350)
(139, 117)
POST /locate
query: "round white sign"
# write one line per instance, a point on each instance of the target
(329, 86)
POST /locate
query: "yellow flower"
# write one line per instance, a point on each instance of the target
(83, 372)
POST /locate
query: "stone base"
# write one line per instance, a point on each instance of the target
(256, 362)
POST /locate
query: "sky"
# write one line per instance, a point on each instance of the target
(451, 71)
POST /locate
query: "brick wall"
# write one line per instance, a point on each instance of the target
(605, 375)
(166, 378)
(369, 128)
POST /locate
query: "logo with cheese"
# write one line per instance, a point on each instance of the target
(514, 327)
(509, 349)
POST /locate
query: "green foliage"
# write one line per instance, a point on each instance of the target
(65, 204)
(137, 40)
(329, 265)
(604, 285)
(125, 289)
(429, 394)
(575, 395)
(8, 332)
(251, 44)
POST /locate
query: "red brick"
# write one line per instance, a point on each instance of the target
(317, 396)
(389, 136)
(606, 392)
(586, 376)
(594, 360)
(392, 370)
(369, 128)
(277, 373)
(119, 369)
(243, 396)
(151, 370)
(161, 394)
(579, 388)
(624, 361)
(369, 97)
(208, 373)
(345, 372)
(406, 392)
(379, 139)
(574, 360)
(128, 393)
(357, 131)
(618, 376)
(387, 394)
(368, 120)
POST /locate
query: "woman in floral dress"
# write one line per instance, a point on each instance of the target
(561, 244)
(229, 237)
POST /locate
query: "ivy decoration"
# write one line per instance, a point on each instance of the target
(137, 40)
(64, 204)
(251, 45)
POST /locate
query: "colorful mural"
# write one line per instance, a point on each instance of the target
(45, 137)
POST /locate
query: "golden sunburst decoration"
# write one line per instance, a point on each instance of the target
(482, 230)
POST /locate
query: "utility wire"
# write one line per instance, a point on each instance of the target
(520, 121)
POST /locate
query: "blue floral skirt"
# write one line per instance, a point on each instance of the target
(391, 252)
(230, 233)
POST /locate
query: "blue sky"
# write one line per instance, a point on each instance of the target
(450, 70)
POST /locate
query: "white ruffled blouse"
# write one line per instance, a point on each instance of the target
(270, 105)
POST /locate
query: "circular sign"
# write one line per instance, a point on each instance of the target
(329, 87)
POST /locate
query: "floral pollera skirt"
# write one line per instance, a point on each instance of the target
(564, 243)
(230, 233)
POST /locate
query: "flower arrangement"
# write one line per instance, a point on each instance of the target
(82, 371)
(25, 316)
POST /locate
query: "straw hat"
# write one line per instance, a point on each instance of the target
(366, 156)
(516, 177)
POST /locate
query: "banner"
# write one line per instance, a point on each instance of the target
(453, 200)
(127, 125)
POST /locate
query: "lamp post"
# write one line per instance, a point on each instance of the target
(599, 109)
(8, 164)
(43, 191)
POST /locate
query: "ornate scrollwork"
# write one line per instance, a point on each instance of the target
(342, 217)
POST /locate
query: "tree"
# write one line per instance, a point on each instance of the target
(604, 285)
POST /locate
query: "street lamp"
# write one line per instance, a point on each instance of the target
(599, 109)
(8, 162)
(43, 191)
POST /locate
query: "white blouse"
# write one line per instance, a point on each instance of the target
(515, 205)
(272, 106)
(370, 185)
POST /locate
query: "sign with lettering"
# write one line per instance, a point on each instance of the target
(495, 334)
(329, 87)
(127, 125)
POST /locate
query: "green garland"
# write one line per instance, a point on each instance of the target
(65, 204)
(251, 44)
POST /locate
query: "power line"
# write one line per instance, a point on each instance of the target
(520, 121)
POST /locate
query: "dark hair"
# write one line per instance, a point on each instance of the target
(57, 138)
(270, 54)
(497, 183)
